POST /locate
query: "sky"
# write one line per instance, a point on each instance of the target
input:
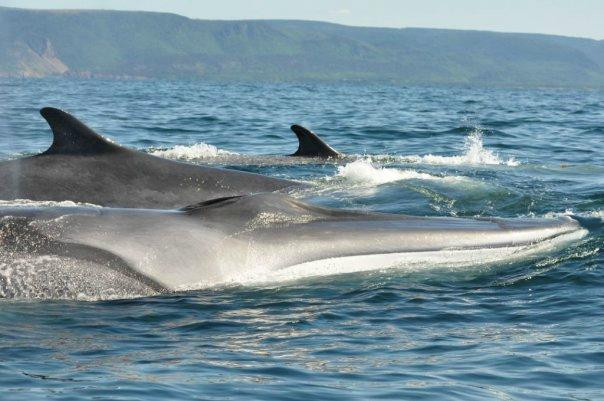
(583, 18)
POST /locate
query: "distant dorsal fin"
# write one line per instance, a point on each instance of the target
(71, 136)
(310, 145)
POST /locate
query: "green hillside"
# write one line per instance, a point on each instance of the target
(38, 43)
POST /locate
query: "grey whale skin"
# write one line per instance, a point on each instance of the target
(82, 166)
(222, 240)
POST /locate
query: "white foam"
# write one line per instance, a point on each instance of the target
(14, 203)
(196, 151)
(28, 276)
(363, 171)
(474, 154)
(594, 214)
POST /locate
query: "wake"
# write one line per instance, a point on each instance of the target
(474, 153)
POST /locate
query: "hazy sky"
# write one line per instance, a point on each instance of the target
(563, 17)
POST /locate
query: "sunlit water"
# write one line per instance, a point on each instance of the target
(528, 330)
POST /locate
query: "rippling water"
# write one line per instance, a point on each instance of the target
(527, 330)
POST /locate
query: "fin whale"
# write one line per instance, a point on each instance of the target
(310, 145)
(245, 238)
(82, 166)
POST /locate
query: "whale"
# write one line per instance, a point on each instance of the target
(84, 167)
(253, 238)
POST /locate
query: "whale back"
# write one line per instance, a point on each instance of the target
(83, 166)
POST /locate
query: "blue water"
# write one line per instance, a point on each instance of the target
(531, 330)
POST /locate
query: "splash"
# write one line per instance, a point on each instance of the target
(28, 276)
(474, 154)
(27, 203)
(591, 214)
(196, 151)
(363, 171)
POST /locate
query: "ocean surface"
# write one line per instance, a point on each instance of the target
(527, 330)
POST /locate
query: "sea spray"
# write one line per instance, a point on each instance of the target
(199, 150)
(364, 171)
(474, 154)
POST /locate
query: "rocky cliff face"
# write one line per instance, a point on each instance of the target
(38, 58)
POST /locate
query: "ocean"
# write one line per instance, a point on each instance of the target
(525, 330)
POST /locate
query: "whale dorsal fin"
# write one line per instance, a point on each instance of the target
(71, 136)
(310, 145)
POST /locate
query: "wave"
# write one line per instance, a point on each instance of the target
(598, 214)
(30, 276)
(200, 150)
(15, 203)
(364, 171)
(474, 154)
(591, 220)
